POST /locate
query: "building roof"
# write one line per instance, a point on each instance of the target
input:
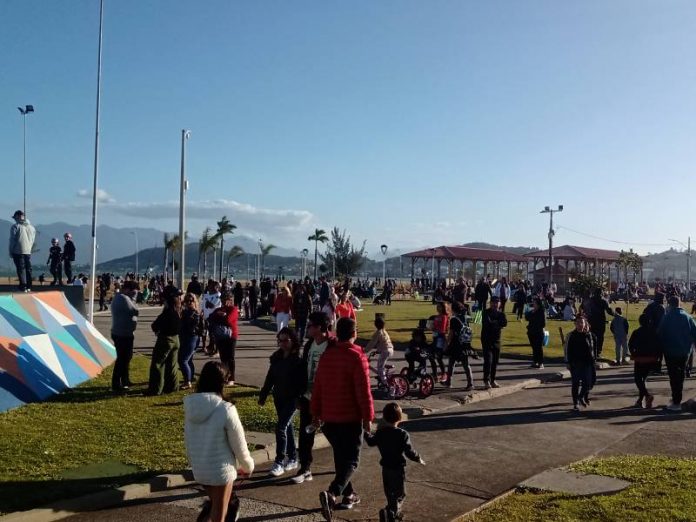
(462, 253)
(576, 253)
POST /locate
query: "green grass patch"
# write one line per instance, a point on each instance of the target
(661, 490)
(403, 316)
(86, 439)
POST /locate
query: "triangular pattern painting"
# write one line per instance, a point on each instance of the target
(45, 347)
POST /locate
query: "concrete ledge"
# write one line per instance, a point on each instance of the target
(573, 483)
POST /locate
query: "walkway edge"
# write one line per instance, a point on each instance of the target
(115, 496)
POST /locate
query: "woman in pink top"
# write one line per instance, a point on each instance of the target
(344, 308)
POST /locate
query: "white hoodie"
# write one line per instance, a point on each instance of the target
(215, 442)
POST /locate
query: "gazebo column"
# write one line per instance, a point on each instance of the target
(509, 265)
(413, 269)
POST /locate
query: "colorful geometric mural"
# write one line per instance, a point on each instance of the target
(46, 346)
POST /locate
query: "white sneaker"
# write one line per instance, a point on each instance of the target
(673, 407)
(277, 470)
(302, 477)
(291, 465)
(541, 367)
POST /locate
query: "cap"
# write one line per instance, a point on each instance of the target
(17, 213)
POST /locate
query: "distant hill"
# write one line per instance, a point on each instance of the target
(513, 250)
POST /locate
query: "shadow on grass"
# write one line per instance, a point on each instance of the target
(24, 495)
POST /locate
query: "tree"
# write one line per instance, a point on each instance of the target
(171, 243)
(343, 255)
(223, 227)
(630, 261)
(318, 236)
(265, 250)
(235, 252)
(175, 243)
(585, 285)
(206, 243)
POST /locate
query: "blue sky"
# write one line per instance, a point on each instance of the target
(408, 123)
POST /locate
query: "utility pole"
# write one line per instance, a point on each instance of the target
(550, 211)
(183, 187)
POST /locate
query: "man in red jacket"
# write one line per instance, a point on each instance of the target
(342, 401)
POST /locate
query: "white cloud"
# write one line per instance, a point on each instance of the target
(241, 214)
(102, 195)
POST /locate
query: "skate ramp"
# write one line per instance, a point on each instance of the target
(46, 346)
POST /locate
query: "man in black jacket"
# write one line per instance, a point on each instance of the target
(493, 322)
(597, 319)
(318, 332)
(68, 256)
(481, 293)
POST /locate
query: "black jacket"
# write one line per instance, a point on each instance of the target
(644, 346)
(492, 325)
(393, 444)
(190, 319)
(580, 349)
(537, 321)
(482, 291)
(167, 323)
(287, 377)
(69, 250)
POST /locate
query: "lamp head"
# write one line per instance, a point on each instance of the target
(560, 208)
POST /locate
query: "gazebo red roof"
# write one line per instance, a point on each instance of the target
(576, 253)
(462, 253)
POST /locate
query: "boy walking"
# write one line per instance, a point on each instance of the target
(619, 327)
(394, 443)
(645, 352)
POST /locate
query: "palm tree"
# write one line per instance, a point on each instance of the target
(206, 243)
(319, 235)
(265, 250)
(223, 227)
(235, 251)
(174, 244)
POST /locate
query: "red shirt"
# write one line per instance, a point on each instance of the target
(341, 391)
(232, 316)
(345, 310)
(440, 324)
(282, 304)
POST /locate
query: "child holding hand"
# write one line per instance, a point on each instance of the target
(394, 444)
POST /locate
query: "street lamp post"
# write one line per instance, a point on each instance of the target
(384, 249)
(93, 274)
(26, 110)
(135, 234)
(183, 187)
(688, 261)
(259, 260)
(550, 211)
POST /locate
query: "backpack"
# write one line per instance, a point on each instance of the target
(465, 334)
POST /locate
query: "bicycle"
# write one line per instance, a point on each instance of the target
(397, 386)
(420, 379)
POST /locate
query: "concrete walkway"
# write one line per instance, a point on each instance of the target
(475, 451)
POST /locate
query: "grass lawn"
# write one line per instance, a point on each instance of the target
(403, 316)
(87, 439)
(662, 489)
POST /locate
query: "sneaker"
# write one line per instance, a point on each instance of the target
(673, 407)
(495, 384)
(278, 469)
(638, 404)
(649, 401)
(302, 476)
(533, 365)
(575, 407)
(327, 502)
(447, 384)
(486, 385)
(588, 401)
(291, 465)
(470, 387)
(540, 367)
(349, 501)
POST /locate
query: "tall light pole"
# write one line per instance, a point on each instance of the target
(183, 187)
(384, 249)
(550, 211)
(258, 259)
(688, 261)
(137, 250)
(26, 110)
(93, 275)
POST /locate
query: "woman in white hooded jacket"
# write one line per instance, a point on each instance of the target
(215, 442)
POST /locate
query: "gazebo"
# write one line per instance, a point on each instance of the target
(569, 258)
(452, 255)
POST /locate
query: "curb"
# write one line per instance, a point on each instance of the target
(115, 496)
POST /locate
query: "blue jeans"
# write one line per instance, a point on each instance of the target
(285, 433)
(22, 263)
(186, 350)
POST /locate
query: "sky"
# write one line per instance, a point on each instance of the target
(407, 123)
